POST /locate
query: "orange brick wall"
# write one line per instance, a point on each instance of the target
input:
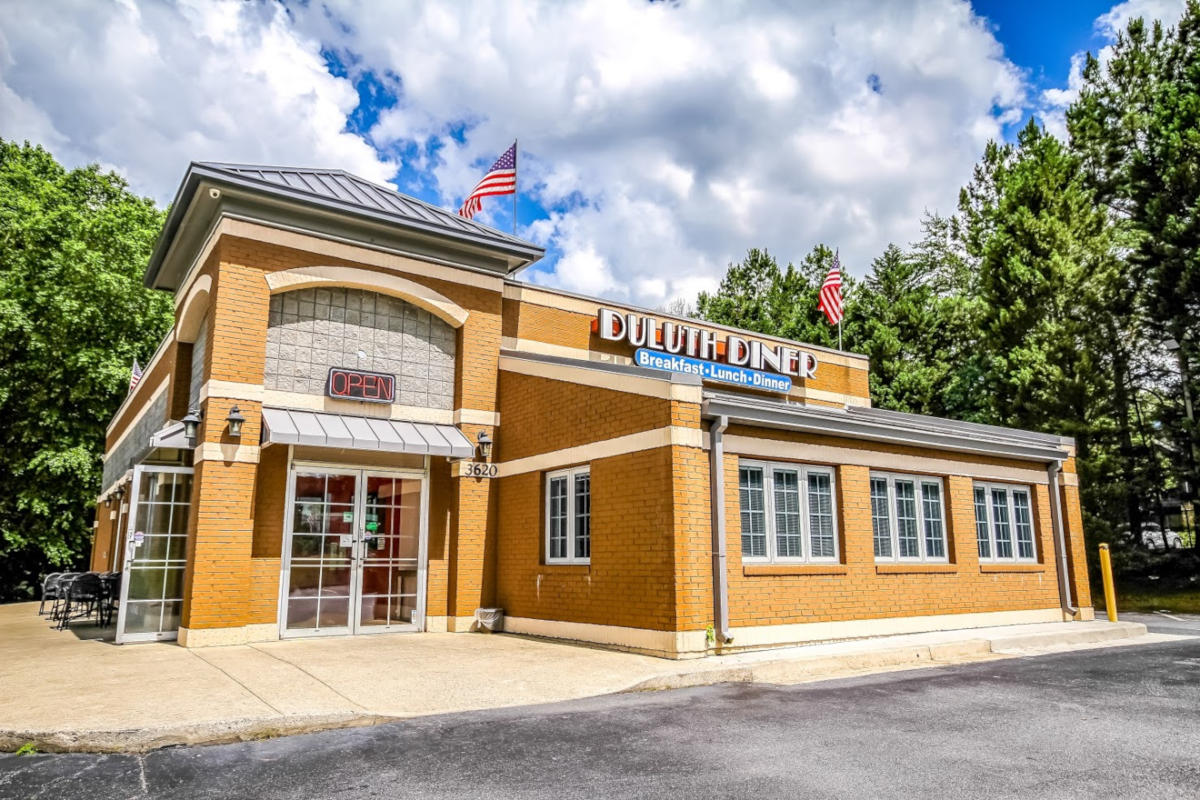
(630, 581)
(651, 536)
(858, 588)
(539, 414)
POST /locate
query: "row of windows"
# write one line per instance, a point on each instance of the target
(788, 515)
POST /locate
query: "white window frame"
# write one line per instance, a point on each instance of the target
(569, 475)
(1009, 490)
(803, 471)
(919, 482)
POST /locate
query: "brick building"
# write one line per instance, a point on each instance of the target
(362, 422)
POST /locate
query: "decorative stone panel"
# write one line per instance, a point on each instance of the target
(311, 330)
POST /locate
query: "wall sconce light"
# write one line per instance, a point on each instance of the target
(190, 421)
(485, 445)
(235, 420)
(108, 501)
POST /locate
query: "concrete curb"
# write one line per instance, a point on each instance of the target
(142, 740)
(795, 666)
(799, 667)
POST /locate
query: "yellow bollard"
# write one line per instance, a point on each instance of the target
(1110, 593)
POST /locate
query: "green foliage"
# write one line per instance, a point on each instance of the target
(73, 315)
(27, 749)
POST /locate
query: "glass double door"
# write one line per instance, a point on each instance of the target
(354, 552)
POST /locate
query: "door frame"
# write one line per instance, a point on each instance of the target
(127, 559)
(353, 628)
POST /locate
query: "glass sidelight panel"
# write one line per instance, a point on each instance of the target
(155, 554)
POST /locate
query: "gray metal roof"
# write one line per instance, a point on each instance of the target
(339, 186)
(320, 429)
(335, 190)
(894, 427)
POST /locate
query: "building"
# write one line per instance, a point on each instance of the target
(362, 422)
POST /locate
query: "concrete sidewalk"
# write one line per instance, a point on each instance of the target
(76, 691)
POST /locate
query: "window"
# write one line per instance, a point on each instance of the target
(569, 516)
(907, 518)
(1004, 523)
(787, 513)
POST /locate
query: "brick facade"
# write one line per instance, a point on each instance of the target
(649, 584)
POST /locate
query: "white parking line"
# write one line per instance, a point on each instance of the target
(1170, 616)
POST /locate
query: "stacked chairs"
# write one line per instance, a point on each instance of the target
(77, 595)
(83, 596)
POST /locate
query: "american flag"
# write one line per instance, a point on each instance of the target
(135, 375)
(500, 179)
(831, 293)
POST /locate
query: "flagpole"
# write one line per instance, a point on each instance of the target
(515, 179)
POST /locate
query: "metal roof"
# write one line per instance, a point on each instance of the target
(877, 424)
(335, 190)
(320, 429)
(341, 187)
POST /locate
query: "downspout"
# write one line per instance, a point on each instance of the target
(716, 455)
(1060, 541)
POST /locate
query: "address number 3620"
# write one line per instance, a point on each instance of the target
(478, 469)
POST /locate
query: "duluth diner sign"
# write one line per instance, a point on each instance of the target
(728, 358)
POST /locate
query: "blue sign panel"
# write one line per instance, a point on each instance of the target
(712, 371)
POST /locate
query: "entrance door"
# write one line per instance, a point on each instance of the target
(354, 559)
(155, 554)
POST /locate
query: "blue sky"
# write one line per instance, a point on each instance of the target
(659, 142)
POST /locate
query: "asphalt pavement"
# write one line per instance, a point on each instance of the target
(1119, 722)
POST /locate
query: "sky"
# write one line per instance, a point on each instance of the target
(658, 142)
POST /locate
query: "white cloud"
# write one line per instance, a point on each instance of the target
(149, 87)
(666, 139)
(1054, 101)
(694, 131)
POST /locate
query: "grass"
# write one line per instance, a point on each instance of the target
(1186, 601)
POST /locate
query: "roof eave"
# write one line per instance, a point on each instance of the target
(807, 420)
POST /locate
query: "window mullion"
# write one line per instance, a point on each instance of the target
(805, 521)
(769, 512)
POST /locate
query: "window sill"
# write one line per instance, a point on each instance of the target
(990, 567)
(751, 570)
(568, 569)
(914, 569)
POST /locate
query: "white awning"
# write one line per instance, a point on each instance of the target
(171, 435)
(318, 429)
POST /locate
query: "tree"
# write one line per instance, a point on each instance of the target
(1136, 126)
(1054, 321)
(73, 315)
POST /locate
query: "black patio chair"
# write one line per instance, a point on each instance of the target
(60, 593)
(49, 590)
(110, 584)
(83, 598)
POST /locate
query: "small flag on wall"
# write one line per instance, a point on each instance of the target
(135, 375)
(500, 179)
(831, 293)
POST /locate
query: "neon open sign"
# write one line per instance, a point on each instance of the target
(353, 384)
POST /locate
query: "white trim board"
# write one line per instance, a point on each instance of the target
(582, 375)
(667, 436)
(876, 459)
(534, 347)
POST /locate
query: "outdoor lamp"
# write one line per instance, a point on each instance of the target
(235, 420)
(190, 421)
(485, 445)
